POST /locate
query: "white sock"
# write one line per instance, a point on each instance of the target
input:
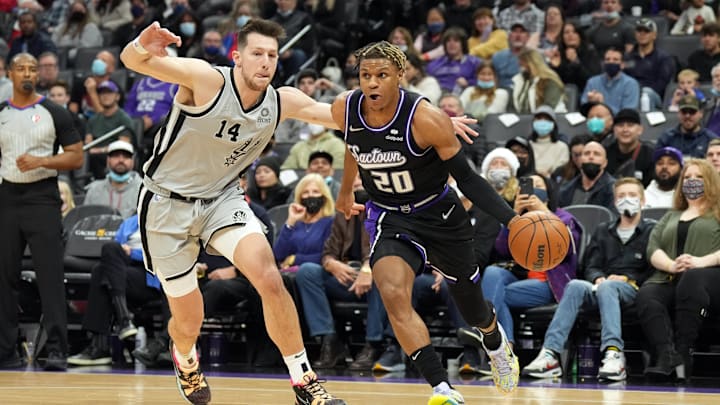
(187, 362)
(298, 364)
(442, 387)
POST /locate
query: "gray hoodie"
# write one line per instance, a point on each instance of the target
(101, 192)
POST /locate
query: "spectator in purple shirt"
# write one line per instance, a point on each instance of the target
(150, 100)
(456, 69)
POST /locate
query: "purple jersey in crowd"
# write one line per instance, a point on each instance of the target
(150, 97)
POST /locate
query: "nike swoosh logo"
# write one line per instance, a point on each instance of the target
(446, 215)
(353, 129)
(414, 357)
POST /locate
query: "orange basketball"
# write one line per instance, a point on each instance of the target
(539, 240)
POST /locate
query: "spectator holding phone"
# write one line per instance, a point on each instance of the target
(688, 83)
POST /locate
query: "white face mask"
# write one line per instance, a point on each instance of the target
(628, 206)
(498, 178)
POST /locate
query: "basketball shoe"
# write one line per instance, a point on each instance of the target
(310, 392)
(503, 362)
(192, 384)
(444, 395)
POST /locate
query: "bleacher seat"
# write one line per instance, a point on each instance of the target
(590, 216)
(278, 215)
(679, 46)
(86, 210)
(86, 239)
(497, 133)
(85, 57)
(663, 26)
(654, 213)
(652, 133)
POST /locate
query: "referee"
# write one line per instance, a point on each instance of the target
(31, 130)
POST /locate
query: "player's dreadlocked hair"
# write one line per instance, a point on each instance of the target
(381, 50)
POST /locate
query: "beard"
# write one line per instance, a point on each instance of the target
(668, 183)
(252, 85)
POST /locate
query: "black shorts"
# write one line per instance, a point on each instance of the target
(439, 237)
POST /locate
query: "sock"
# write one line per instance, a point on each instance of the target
(442, 387)
(187, 362)
(298, 364)
(613, 348)
(492, 339)
(429, 365)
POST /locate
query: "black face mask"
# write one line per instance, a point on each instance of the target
(361, 196)
(313, 204)
(77, 16)
(669, 183)
(591, 170)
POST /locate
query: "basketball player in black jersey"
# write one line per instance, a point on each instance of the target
(405, 147)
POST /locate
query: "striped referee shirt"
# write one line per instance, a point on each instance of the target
(38, 129)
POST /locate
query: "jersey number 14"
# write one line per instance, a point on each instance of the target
(393, 182)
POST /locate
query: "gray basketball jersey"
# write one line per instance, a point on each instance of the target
(201, 150)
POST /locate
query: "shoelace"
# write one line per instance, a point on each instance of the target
(194, 379)
(312, 385)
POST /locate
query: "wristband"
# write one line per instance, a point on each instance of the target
(138, 47)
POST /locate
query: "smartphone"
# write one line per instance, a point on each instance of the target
(526, 185)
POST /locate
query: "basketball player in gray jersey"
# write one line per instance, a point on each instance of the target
(220, 122)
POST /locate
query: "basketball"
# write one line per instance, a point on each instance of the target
(539, 240)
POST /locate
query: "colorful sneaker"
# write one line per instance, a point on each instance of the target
(504, 364)
(545, 365)
(443, 394)
(613, 366)
(311, 392)
(192, 385)
(391, 360)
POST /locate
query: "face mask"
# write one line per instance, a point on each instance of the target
(669, 183)
(486, 85)
(715, 92)
(361, 196)
(436, 28)
(242, 20)
(137, 11)
(99, 68)
(498, 178)
(596, 125)
(313, 204)
(77, 16)
(517, 44)
(403, 48)
(628, 206)
(613, 15)
(187, 28)
(178, 9)
(591, 170)
(212, 50)
(119, 178)
(693, 188)
(541, 194)
(543, 127)
(284, 13)
(611, 69)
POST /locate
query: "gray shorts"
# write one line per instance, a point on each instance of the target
(172, 229)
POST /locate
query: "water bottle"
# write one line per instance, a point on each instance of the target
(140, 338)
(644, 102)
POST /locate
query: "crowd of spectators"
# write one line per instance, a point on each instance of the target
(467, 59)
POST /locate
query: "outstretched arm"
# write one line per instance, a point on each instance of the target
(147, 55)
(298, 105)
(432, 127)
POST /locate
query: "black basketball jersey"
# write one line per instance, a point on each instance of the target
(394, 170)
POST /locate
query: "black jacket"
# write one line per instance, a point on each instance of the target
(600, 194)
(606, 254)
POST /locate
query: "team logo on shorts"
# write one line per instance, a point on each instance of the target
(239, 216)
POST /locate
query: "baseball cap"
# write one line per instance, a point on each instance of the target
(519, 23)
(646, 24)
(545, 110)
(689, 102)
(668, 151)
(121, 145)
(627, 115)
(320, 154)
(108, 86)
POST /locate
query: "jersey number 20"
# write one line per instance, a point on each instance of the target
(393, 182)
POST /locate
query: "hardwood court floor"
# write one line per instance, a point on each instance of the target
(21, 388)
